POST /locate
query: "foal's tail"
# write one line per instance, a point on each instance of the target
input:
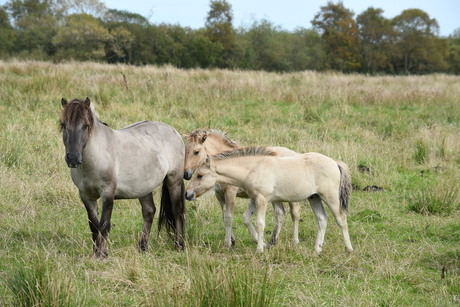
(169, 210)
(345, 185)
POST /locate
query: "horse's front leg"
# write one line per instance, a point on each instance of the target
(261, 209)
(93, 219)
(148, 212)
(101, 249)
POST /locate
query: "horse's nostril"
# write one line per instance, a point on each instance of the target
(189, 195)
(188, 175)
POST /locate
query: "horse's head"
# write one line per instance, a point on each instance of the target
(203, 181)
(76, 124)
(195, 152)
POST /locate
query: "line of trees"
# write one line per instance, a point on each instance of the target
(82, 30)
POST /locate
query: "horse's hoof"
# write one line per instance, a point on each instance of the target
(179, 246)
(143, 247)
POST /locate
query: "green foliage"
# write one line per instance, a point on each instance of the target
(419, 49)
(340, 33)
(375, 31)
(83, 38)
(406, 44)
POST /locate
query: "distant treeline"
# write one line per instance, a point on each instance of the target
(86, 30)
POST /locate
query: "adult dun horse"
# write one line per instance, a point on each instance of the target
(266, 177)
(124, 164)
(203, 142)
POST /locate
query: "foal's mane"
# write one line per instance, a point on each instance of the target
(200, 135)
(245, 152)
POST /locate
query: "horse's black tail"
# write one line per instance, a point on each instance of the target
(345, 185)
(169, 210)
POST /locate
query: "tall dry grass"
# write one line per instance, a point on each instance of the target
(402, 132)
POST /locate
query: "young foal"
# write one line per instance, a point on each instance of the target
(203, 142)
(123, 164)
(266, 177)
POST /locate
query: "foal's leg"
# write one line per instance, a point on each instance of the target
(340, 216)
(148, 212)
(321, 219)
(278, 208)
(261, 209)
(247, 215)
(93, 219)
(295, 215)
(227, 212)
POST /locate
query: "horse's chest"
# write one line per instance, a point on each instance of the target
(93, 183)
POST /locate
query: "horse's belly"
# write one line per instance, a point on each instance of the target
(134, 185)
(293, 192)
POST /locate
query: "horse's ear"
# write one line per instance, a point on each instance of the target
(203, 138)
(183, 135)
(63, 102)
(87, 103)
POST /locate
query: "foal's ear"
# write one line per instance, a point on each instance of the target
(208, 161)
(63, 102)
(87, 103)
(203, 138)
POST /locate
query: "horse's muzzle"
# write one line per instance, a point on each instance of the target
(190, 195)
(73, 160)
(188, 174)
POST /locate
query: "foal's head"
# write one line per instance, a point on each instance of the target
(77, 121)
(197, 146)
(203, 182)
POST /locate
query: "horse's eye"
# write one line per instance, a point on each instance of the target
(85, 127)
(197, 152)
(199, 176)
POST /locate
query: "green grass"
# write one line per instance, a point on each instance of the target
(406, 130)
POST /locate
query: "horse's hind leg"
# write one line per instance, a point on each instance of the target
(148, 212)
(321, 219)
(341, 219)
(278, 208)
(176, 188)
(295, 215)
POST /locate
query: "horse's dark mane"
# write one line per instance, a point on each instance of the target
(75, 111)
(244, 152)
(197, 136)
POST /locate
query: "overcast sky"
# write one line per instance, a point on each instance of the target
(288, 14)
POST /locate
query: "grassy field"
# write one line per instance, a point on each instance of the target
(399, 133)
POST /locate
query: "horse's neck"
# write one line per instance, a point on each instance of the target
(233, 171)
(215, 146)
(100, 139)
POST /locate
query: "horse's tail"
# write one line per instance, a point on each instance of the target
(168, 210)
(345, 185)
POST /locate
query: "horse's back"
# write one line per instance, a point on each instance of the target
(296, 178)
